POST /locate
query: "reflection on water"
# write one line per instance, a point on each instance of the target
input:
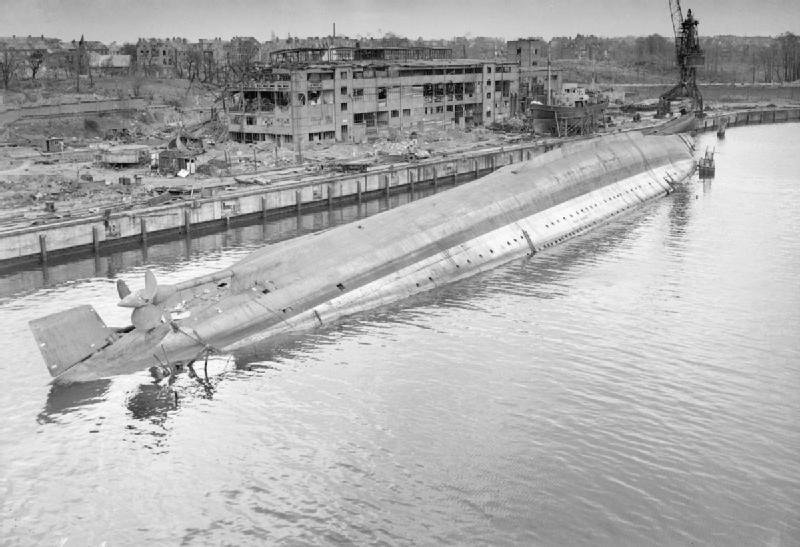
(62, 399)
(634, 386)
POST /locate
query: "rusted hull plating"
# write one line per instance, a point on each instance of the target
(316, 279)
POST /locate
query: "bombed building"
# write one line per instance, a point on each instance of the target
(354, 94)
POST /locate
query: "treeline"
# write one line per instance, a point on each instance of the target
(728, 58)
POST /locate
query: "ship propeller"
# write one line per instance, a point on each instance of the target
(146, 315)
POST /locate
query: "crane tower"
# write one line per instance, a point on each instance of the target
(689, 57)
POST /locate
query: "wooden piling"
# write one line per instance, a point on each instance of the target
(96, 240)
(187, 221)
(263, 207)
(435, 177)
(298, 200)
(388, 181)
(43, 248)
(143, 230)
(477, 171)
(330, 196)
(358, 190)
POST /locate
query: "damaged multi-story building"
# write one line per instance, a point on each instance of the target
(538, 80)
(355, 94)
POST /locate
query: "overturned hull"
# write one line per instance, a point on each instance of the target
(314, 280)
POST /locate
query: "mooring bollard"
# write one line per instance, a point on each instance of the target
(96, 239)
(43, 248)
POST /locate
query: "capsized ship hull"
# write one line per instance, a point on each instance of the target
(313, 280)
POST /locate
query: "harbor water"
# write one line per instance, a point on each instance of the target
(637, 385)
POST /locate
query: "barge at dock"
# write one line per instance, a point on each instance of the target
(313, 280)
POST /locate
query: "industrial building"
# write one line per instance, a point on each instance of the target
(538, 81)
(354, 94)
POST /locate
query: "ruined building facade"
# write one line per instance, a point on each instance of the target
(531, 56)
(355, 95)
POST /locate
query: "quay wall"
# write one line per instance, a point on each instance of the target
(136, 226)
(100, 233)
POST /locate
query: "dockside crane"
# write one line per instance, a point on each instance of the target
(689, 57)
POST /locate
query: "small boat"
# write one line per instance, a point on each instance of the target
(723, 123)
(706, 164)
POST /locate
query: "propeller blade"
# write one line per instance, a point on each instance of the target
(150, 285)
(122, 289)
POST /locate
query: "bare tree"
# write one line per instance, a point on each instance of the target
(790, 56)
(10, 61)
(35, 60)
(193, 60)
(241, 58)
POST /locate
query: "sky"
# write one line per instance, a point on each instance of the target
(127, 20)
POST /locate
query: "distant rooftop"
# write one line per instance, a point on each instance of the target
(357, 53)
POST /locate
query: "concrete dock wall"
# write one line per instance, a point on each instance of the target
(750, 117)
(135, 227)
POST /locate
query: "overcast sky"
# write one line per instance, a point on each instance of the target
(126, 20)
